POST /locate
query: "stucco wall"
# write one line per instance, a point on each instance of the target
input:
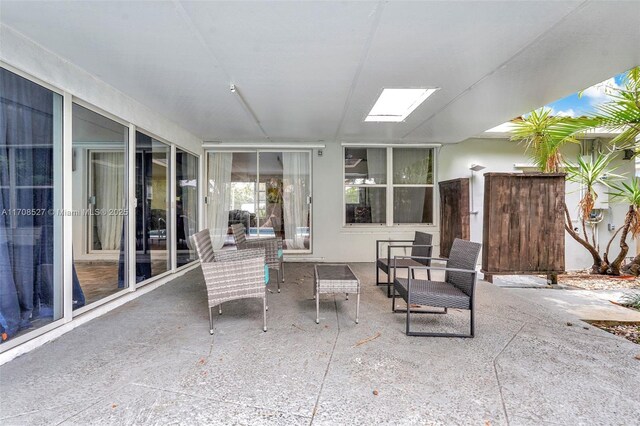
(334, 242)
(22, 53)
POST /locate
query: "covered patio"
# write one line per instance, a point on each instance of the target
(153, 361)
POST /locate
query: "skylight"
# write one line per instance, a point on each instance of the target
(394, 105)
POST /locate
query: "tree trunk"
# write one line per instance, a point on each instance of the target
(624, 248)
(634, 267)
(599, 267)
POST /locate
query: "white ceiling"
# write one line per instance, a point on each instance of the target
(311, 71)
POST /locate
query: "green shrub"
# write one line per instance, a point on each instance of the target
(631, 300)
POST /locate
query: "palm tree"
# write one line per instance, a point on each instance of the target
(588, 174)
(622, 112)
(543, 135)
(630, 193)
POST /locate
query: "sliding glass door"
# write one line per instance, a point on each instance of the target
(152, 209)
(186, 206)
(99, 176)
(30, 206)
(269, 192)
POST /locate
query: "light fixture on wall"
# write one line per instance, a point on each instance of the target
(243, 103)
(474, 168)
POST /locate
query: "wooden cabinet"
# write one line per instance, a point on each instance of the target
(454, 213)
(523, 224)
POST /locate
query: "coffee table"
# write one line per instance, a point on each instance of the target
(335, 278)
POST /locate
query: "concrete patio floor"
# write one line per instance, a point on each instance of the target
(153, 361)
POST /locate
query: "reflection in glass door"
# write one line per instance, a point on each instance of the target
(152, 195)
(268, 192)
(30, 195)
(99, 193)
(186, 206)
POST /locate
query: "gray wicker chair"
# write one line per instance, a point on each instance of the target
(420, 256)
(271, 245)
(231, 274)
(456, 291)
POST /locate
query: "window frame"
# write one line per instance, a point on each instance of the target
(389, 186)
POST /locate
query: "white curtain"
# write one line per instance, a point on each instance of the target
(109, 192)
(219, 193)
(294, 195)
(190, 211)
(377, 169)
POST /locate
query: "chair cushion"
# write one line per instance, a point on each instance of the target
(400, 263)
(266, 274)
(433, 293)
(280, 253)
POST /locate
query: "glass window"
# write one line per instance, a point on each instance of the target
(152, 194)
(186, 206)
(99, 192)
(367, 191)
(272, 199)
(413, 185)
(368, 204)
(30, 198)
(413, 205)
(365, 178)
(413, 166)
(365, 166)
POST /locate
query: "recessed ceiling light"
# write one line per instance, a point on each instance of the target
(394, 105)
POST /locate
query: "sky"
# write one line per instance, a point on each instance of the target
(574, 105)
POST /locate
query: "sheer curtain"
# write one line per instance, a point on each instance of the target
(109, 190)
(219, 193)
(294, 195)
(377, 170)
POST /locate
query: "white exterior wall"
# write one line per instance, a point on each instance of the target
(333, 242)
(23, 54)
(500, 155)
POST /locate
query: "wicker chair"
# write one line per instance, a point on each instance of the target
(231, 274)
(456, 291)
(271, 245)
(420, 248)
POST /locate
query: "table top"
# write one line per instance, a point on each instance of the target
(335, 272)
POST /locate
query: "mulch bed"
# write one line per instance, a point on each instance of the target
(585, 281)
(630, 330)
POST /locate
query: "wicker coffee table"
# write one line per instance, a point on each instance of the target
(335, 278)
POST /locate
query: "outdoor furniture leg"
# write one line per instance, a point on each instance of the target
(282, 269)
(278, 280)
(210, 322)
(264, 312)
(220, 309)
(347, 296)
(357, 306)
(472, 320)
(408, 314)
(317, 306)
(393, 299)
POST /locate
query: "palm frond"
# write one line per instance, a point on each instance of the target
(588, 174)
